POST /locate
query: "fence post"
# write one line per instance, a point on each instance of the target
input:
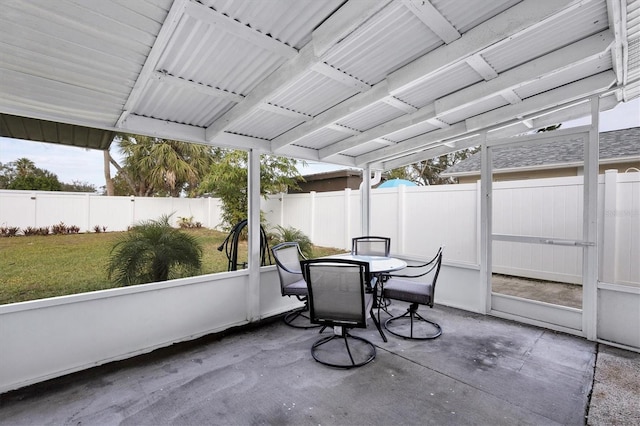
(400, 218)
(608, 254)
(347, 218)
(312, 216)
(88, 211)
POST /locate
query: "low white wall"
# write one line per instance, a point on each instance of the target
(619, 315)
(52, 337)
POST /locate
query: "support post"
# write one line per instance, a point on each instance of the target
(590, 228)
(365, 197)
(486, 207)
(253, 186)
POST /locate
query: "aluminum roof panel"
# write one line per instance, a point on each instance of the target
(466, 14)
(264, 124)
(217, 58)
(553, 34)
(566, 76)
(289, 22)
(312, 94)
(204, 70)
(391, 39)
(444, 83)
(372, 116)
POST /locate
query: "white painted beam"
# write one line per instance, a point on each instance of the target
(181, 83)
(387, 128)
(412, 144)
(333, 115)
(525, 15)
(554, 62)
(343, 129)
(340, 77)
(510, 96)
(522, 16)
(482, 67)
(284, 112)
(161, 129)
(577, 90)
(240, 30)
(433, 19)
(276, 80)
(168, 27)
(436, 151)
(398, 104)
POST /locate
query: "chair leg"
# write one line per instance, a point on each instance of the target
(414, 317)
(345, 336)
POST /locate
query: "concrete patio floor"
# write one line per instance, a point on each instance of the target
(482, 370)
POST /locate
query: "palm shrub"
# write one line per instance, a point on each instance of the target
(154, 251)
(290, 234)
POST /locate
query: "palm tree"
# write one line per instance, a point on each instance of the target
(155, 166)
(154, 251)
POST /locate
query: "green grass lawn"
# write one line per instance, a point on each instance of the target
(37, 267)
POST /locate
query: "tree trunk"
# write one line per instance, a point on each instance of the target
(107, 173)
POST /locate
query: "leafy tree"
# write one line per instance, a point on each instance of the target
(154, 251)
(23, 174)
(427, 172)
(77, 186)
(227, 180)
(158, 167)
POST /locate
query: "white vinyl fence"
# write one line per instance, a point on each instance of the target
(418, 220)
(44, 209)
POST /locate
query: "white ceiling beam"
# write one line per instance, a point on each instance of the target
(571, 55)
(437, 122)
(333, 115)
(510, 96)
(299, 152)
(343, 22)
(164, 36)
(161, 129)
(551, 117)
(436, 151)
(400, 123)
(398, 104)
(618, 26)
(287, 73)
(567, 93)
(524, 15)
(482, 67)
(238, 29)
(549, 64)
(433, 19)
(339, 76)
(411, 144)
(284, 112)
(343, 129)
(196, 87)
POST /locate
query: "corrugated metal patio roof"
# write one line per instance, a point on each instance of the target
(355, 83)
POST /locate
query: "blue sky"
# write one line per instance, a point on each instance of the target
(85, 165)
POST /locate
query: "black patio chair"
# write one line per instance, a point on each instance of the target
(337, 298)
(405, 288)
(371, 246)
(288, 256)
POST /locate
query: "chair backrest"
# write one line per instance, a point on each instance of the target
(288, 256)
(371, 246)
(337, 291)
(435, 276)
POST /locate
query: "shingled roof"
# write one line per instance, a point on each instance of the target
(614, 145)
